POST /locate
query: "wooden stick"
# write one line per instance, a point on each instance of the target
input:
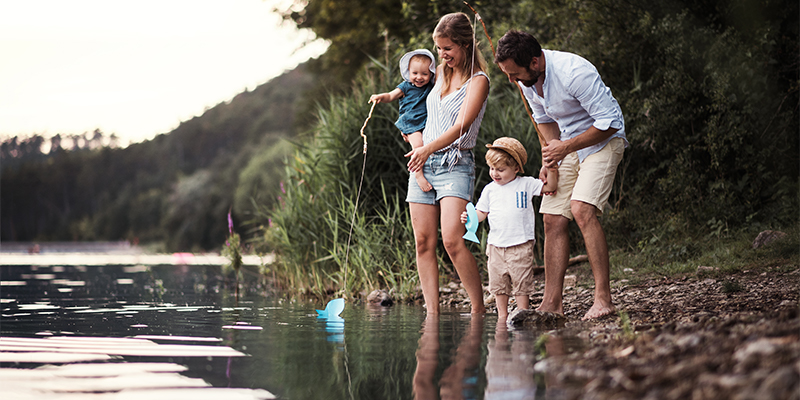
(542, 141)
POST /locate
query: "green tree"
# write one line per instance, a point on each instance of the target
(709, 99)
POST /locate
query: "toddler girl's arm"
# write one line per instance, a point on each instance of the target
(386, 97)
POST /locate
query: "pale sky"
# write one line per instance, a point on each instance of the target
(136, 68)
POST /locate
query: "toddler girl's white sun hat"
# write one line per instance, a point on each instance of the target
(407, 59)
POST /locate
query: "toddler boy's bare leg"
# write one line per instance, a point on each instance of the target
(502, 306)
(523, 302)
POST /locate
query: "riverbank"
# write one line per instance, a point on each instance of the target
(701, 335)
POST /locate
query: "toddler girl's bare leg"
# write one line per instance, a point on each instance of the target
(416, 141)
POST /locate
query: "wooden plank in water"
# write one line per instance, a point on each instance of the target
(109, 380)
(111, 346)
(127, 259)
(132, 381)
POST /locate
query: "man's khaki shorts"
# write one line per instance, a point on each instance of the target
(511, 269)
(589, 181)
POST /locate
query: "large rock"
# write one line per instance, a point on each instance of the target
(533, 319)
(767, 237)
(380, 297)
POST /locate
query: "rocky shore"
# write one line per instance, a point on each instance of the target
(694, 337)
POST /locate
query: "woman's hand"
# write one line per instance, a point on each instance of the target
(417, 158)
(464, 217)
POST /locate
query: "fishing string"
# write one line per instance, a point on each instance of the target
(471, 75)
(358, 196)
(350, 236)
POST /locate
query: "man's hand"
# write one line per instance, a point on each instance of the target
(554, 152)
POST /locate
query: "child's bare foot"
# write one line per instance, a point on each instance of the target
(598, 311)
(422, 182)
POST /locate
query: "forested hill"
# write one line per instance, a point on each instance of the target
(174, 190)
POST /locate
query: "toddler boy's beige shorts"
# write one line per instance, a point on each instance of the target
(511, 269)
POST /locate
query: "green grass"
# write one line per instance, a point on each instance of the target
(723, 255)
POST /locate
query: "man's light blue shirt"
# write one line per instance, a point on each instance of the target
(575, 98)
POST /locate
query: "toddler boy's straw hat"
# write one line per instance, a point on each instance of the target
(406, 59)
(513, 147)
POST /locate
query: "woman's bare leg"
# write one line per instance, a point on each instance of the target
(467, 268)
(425, 221)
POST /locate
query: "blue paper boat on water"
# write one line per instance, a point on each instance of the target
(472, 224)
(333, 309)
(334, 324)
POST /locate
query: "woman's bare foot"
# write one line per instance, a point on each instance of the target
(422, 182)
(598, 311)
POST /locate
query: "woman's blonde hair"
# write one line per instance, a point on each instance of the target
(457, 28)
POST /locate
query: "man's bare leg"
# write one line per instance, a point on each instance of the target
(597, 250)
(556, 259)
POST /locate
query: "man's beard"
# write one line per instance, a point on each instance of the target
(534, 77)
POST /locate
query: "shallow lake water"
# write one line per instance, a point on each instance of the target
(63, 327)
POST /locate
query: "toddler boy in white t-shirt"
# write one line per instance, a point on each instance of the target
(508, 203)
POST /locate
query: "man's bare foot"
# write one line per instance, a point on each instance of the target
(598, 311)
(422, 182)
(542, 308)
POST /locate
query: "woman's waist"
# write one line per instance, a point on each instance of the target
(452, 149)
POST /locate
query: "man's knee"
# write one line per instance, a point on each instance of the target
(584, 213)
(553, 224)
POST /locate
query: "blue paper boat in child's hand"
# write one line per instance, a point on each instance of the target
(333, 309)
(472, 224)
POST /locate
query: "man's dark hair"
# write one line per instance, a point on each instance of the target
(521, 47)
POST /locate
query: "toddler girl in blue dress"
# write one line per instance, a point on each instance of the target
(417, 68)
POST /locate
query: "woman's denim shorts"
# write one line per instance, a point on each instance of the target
(456, 182)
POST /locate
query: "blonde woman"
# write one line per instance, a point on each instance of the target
(455, 110)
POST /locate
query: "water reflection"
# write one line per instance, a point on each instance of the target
(281, 346)
(509, 365)
(460, 379)
(334, 327)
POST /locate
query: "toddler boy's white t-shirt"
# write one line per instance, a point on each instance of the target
(511, 215)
